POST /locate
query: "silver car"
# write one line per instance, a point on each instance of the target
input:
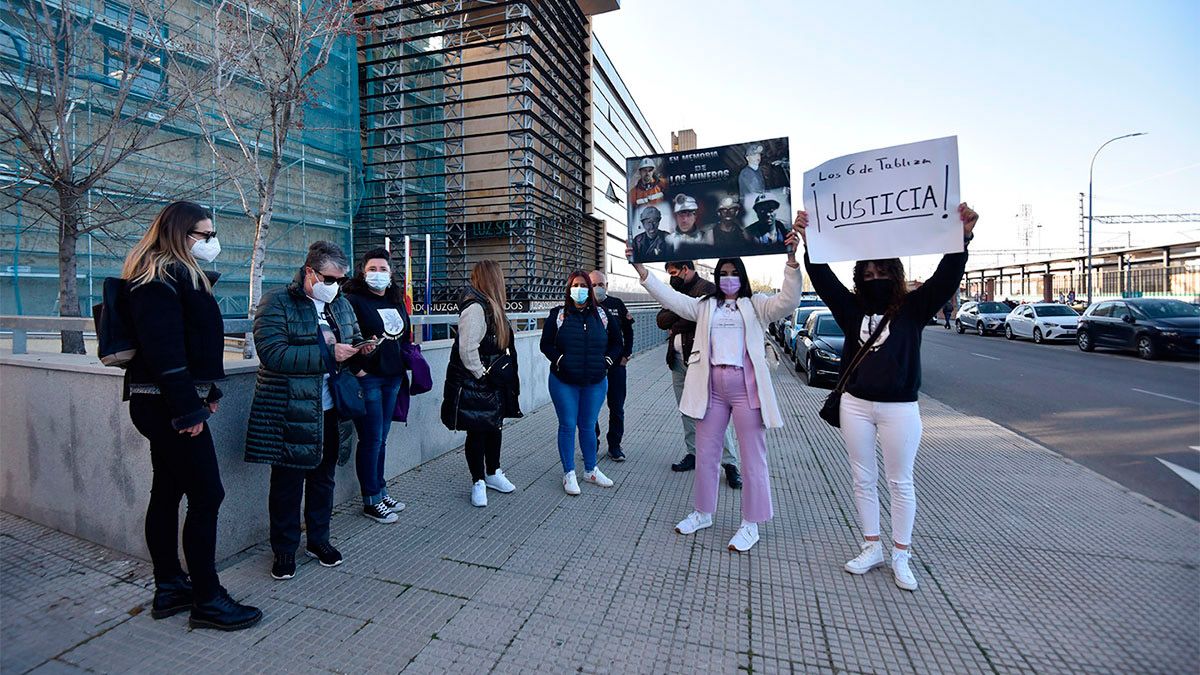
(1041, 321)
(981, 317)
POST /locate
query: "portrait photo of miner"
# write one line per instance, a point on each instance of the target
(758, 176)
(650, 187)
(688, 237)
(729, 239)
(651, 243)
(767, 229)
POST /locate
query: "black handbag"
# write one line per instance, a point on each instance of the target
(344, 387)
(831, 410)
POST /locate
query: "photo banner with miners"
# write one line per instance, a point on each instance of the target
(723, 202)
(886, 203)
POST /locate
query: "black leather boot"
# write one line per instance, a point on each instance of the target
(171, 596)
(222, 613)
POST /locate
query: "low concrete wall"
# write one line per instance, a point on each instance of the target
(71, 459)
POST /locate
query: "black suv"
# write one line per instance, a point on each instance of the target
(1151, 326)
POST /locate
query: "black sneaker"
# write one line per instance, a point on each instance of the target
(616, 455)
(171, 596)
(325, 553)
(222, 613)
(393, 505)
(732, 476)
(688, 463)
(284, 566)
(379, 513)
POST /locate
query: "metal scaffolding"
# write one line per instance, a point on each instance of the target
(475, 118)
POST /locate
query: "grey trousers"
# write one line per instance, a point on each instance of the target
(729, 453)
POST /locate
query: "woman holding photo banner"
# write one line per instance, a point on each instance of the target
(728, 377)
(880, 396)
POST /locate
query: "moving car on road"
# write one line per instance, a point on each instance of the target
(1152, 327)
(982, 317)
(819, 349)
(1041, 321)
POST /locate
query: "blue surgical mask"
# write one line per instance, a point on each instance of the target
(579, 294)
(600, 292)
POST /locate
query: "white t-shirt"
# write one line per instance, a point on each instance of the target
(326, 333)
(727, 336)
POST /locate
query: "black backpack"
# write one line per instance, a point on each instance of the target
(114, 329)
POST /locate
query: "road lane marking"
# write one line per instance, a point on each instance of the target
(1173, 398)
(1186, 474)
(984, 356)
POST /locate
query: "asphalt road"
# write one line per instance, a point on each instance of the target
(1112, 412)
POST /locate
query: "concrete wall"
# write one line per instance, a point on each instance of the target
(71, 459)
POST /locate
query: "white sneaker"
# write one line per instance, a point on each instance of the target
(870, 558)
(595, 476)
(499, 482)
(570, 483)
(479, 493)
(900, 570)
(694, 522)
(745, 538)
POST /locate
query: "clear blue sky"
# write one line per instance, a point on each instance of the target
(1031, 89)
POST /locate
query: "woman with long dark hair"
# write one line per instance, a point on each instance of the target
(482, 382)
(171, 385)
(581, 344)
(728, 376)
(880, 397)
(383, 319)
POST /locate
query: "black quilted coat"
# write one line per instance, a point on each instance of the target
(286, 419)
(470, 404)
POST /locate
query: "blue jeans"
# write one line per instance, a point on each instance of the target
(379, 393)
(578, 408)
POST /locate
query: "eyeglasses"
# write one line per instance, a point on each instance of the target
(329, 281)
(207, 236)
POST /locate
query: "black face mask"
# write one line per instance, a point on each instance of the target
(677, 283)
(876, 294)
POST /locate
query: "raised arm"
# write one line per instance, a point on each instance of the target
(774, 307)
(947, 278)
(685, 306)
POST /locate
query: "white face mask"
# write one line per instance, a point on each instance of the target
(324, 292)
(206, 251)
(378, 280)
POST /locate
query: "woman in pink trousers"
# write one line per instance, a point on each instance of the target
(728, 377)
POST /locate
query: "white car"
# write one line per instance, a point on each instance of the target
(1041, 321)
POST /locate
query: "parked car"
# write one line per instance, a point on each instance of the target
(1041, 321)
(796, 325)
(982, 317)
(778, 329)
(818, 350)
(1150, 326)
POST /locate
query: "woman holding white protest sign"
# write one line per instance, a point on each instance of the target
(727, 376)
(879, 389)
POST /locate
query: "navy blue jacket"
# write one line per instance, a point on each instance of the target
(582, 349)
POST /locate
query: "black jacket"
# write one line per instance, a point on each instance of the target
(619, 313)
(582, 349)
(181, 344)
(676, 325)
(385, 359)
(892, 371)
(286, 424)
(470, 404)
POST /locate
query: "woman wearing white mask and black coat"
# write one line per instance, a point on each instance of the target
(379, 305)
(171, 387)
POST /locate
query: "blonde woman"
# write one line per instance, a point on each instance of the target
(482, 385)
(172, 392)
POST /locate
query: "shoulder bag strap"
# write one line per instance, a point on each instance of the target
(860, 355)
(326, 355)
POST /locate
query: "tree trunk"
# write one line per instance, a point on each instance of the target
(257, 258)
(68, 286)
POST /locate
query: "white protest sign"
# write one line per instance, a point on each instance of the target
(885, 203)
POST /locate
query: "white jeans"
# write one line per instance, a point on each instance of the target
(898, 428)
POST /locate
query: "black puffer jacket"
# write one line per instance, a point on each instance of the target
(181, 344)
(286, 423)
(583, 347)
(470, 404)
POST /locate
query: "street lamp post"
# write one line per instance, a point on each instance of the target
(1090, 170)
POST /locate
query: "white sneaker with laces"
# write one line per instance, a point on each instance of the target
(901, 571)
(595, 476)
(745, 538)
(694, 522)
(479, 493)
(570, 483)
(499, 482)
(870, 558)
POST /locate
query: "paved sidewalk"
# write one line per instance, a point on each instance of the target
(1027, 563)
